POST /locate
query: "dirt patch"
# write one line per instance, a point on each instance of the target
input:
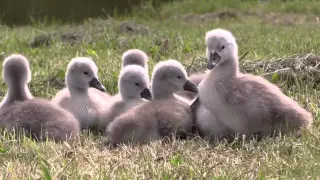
(287, 19)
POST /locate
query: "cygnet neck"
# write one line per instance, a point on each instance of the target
(160, 92)
(16, 93)
(228, 69)
(76, 92)
(128, 98)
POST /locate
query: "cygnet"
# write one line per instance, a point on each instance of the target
(245, 103)
(135, 57)
(133, 86)
(161, 117)
(168, 78)
(85, 96)
(196, 78)
(37, 117)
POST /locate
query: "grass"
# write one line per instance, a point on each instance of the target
(103, 40)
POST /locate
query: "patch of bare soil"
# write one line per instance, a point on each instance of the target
(287, 19)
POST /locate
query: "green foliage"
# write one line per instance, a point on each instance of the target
(176, 160)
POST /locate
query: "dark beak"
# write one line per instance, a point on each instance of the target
(146, 94)
(213, 61)
(189, 86)
(95, 83)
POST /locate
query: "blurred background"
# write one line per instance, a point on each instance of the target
(19, 12)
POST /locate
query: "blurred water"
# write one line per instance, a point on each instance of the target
(18, 12)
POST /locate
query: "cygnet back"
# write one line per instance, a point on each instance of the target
(151, 121)
(36, 116)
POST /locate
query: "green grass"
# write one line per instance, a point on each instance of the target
(88, 158)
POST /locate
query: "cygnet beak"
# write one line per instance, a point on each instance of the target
(95, 83)
(146, 94)
(189, 86)
(213, 61)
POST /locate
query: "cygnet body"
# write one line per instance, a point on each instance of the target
(196, 78)
(135, 57)
(133, 86)
(160, 117)
(207, 124)
(84, 96)
(245, 103)
(20, 111)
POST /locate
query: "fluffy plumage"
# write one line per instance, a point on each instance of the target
(135, 57)
(20, 111)
(133, 85)
(161, 117)
(84, 96)
(245, 103)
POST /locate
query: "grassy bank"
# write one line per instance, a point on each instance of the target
(268, 31)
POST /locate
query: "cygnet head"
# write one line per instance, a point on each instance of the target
(82, 74)
(134, 83)
(135, 57)
(221, 48)
(16, 70)
(168, 77)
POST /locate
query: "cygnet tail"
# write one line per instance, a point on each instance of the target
(293, 119)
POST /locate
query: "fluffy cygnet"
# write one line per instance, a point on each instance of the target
(19, 110)
(245, 103)
(84, 96)
(133, 86)
(161, 117)
(169, 77)
(135, 57)
(196, 78)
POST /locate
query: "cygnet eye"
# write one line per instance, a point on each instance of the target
(86, 73)
(179, 77)
(222, 47)
(137, 84)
